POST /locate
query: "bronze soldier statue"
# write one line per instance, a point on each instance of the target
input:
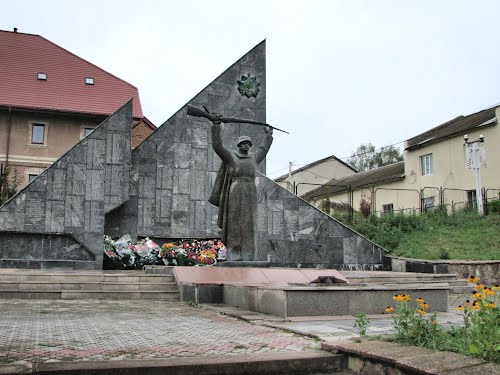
(235, 192)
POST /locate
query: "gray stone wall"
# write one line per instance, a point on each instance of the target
(69, 200)
(174, 169)
(293, 233)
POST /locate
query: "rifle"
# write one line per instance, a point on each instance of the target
(197, 112)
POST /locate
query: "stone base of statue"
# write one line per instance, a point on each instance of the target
(244, 263)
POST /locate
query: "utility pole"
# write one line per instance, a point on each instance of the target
(474, 157)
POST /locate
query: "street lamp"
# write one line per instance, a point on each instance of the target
(474, 157)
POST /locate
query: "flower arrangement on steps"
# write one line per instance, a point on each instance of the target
(127, 254)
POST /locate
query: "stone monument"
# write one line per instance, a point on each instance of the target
(161, 190)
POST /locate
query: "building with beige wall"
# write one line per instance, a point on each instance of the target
(318, 173)
(434, 171)
(50, 99)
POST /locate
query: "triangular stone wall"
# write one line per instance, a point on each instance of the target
(173, 170)
(58, 219)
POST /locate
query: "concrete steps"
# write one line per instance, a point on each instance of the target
(456, 285)
(70, 284)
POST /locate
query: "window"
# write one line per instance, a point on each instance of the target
(41, 76)
(85, 132)
(387, 208)
(89, 80)
(426, 163)
(471, 199)
(38, 134)
(31, 177)
(427, 203)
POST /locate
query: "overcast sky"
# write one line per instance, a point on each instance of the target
(339, 73)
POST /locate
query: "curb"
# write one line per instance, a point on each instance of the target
(266, 363)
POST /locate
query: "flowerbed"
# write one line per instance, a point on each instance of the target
(124, 253)
(479, 337)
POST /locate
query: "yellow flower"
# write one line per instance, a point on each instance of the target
(479, 287)
(473, 279)
(478, 295)
(401, 297)
(496, 287)
(468, 303)
(487, 291)
(490, 305)
(421, 312)
(389, 309)
(460, 308)
(475, 307)
(420, 300)
(424, 306)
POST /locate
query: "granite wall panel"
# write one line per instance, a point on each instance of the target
(299, 235)
(58, 219)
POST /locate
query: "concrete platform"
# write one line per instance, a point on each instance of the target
(296, 292)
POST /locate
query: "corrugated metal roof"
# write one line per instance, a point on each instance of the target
(457, 126)
(391, 172)
(23, 56)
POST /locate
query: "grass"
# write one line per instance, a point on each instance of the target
(435, 235)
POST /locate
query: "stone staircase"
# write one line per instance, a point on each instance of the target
(87, 284)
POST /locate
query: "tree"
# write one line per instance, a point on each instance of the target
(366, 157)
(8, 185)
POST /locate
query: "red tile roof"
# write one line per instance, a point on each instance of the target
(24, 55)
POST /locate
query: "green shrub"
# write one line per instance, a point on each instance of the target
(494, 207)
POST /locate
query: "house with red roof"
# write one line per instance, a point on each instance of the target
(50, 99)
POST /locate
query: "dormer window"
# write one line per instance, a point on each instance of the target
(41, 76)
(89, 80)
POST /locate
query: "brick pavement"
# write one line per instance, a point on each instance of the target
(94, 330)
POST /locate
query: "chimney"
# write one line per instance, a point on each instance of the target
(15, 29)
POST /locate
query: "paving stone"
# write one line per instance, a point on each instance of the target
(49, 331)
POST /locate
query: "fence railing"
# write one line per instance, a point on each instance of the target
(451, 198)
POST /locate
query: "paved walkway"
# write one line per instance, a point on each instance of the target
(337, 328)
(33, 331)
(50, 331)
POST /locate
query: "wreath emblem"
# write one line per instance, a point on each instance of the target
(248, 86)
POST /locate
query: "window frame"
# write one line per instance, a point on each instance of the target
(471, 199)
(387, 208)
(426, 165)
(82, 131)
(32, 133)
(426, 206)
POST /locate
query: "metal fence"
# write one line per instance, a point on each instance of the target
(450, 198)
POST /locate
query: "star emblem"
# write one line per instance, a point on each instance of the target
(248, 86)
